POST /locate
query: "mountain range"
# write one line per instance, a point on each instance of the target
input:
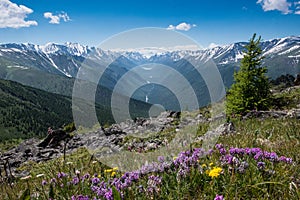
(54, 69)
(283, 54)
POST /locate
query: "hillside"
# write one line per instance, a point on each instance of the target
(26, 112)
(254, 158)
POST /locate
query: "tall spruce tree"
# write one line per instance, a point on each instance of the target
(251, 90)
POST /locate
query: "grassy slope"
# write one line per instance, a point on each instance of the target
(274, 135)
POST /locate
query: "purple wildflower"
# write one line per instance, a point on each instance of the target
(219, 146)
(261, 165)
(61, 175)
(95, 181)
(161, 159)
(44, 182)
(219, 197)
(109, 194)
(75, 181)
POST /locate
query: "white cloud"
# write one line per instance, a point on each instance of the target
(13, 16)
(297, 5)
(280, 5)
(181, 27)
(55, 19)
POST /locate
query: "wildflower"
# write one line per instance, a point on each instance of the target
(95, 181)
(75, 180)
(243, 166)
(77, 172)
(109, 194)
(261, 165)
(94, 162)
(219, 146)
(161, 159)
(53, 180)
(222, 151)
(115, 169)
(219, 197)
(108, 170)
(215, 172)
(44, 182)
(203, 165)
(285, 159)
(113, 173)
(69, 163)
(61, 175)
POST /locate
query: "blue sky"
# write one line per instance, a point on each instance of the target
(90, 22)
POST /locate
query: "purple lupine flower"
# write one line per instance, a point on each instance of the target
(141, 188)
(156, 179)
(53, 180)
(273, 157)
(240, 151)
(75, 181)
(258, 155)
(95, 181)
(243, 166)
(219, 197)
(44, 182)
(222, 151)
(61, 175)
(233, 151)
(161, 159)
(254, 151)
(109, 194)
(219, 146)
(247, 150)
(285, 159)
(261, 165)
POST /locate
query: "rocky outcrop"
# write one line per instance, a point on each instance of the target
(293, 113)
(54, 138)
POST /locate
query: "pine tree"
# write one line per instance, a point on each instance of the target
(251, 90)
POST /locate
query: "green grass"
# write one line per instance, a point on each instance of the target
(267, 134)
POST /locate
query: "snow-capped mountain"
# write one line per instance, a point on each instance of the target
(281, 56)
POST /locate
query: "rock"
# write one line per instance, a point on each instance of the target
(265, 114)
(227, 128)
(297, 80)
(294, 113)
(115, 129)
(54, 138)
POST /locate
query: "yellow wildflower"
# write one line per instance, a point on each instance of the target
(174, 158)
(115, 169)
(211, 164)
(203, 165)
(113, 173)
(215, 172)
(108, 170)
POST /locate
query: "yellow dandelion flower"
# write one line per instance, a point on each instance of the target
(215, 172)
(113, 173)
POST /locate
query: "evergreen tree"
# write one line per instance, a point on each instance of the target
(251, 90)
